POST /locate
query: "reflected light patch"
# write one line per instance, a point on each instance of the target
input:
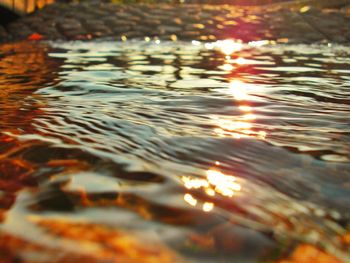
(194, 183)
(209, 46)
(240, 61)
(210, 192)
(215, 182)
(225, 185)
(238, 90)
(173, 37)
(249, 117)
(227, 67)
(207, 207)
(239, 130)
(234, 125)
(262, 135)
(229, 46)
(190, 200)
(259, 43)
(242, 125)
(304, 9)
(245, 108)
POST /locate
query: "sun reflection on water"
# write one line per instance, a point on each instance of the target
(240, 61)
(223, 184)
(226, 67)
(238, 89)
(229, 46)
(190, 199)
(243, 124)
(215, 182)
(207, 207)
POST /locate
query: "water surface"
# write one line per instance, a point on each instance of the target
(173, 151)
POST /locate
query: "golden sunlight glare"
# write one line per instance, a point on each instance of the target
(229, 46)
(190, 200)
(238, 90)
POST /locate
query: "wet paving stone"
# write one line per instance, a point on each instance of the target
(19, 30)
(98, 20)
(334, 27)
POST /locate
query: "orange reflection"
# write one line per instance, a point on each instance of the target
(24, 68)
(306, 253)
(215, 182)
(92, 243)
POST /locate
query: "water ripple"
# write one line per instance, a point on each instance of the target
(205, 149)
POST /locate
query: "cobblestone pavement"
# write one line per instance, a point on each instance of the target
(185, 22)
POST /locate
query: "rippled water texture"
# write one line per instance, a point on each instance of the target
(146, 152)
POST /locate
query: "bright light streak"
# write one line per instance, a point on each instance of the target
(240, 61)
(238, 90)
(229, 46)
(234, 125)
(245, 108)
(259, 43)
(249, 117)
(190, 200)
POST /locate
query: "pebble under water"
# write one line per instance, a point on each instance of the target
(174, 151)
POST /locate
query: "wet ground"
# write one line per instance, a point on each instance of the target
(160, 151)
(294, 23)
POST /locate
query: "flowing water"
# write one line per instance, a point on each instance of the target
(173, 151)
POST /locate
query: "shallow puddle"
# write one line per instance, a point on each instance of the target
(174, 151)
